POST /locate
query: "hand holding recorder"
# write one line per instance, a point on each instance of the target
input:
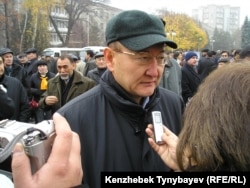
(164, 143)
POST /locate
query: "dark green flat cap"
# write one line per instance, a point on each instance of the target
(137, 30)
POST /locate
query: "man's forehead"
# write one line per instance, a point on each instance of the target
(8, 54)
(63, 61)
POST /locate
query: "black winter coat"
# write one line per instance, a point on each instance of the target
(35, 82)
(190, 82)
(7, 106)
(18, 94)
(112, 127)
(19, 73)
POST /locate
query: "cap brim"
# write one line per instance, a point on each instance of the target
(29, 52)
(145, 41)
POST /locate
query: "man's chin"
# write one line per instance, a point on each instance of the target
(66, 77)
(146, 93)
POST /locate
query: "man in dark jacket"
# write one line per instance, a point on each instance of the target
(13, 68)
(90, 62)
(15, 90)
(7, 104)
(190, 80)
(96, 73)
(112, 117)
(206, 65)
(17, 93)
(31, 54)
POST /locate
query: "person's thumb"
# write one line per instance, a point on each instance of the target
(21, 170)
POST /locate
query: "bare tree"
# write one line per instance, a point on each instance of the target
(6, 21)
(74, 9)
(23, 30)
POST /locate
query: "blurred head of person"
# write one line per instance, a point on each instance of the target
(223, 61)
(65, 66)
(31, 53)
(1, 67)
(7, 55)
(191, 58)
(23, 58)
(100, 61)
(42, 67)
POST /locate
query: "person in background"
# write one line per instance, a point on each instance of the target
(17, 93)
(51, 63)
(14, 69)
(38, 85)
(245, 54)
(7, 104)
(236, 55)
(97, 72)
(178, 57)
(190, 79)
(75, 60)
(90, 62)
(15, 90)
(23, 60)
(80, 65)
(171, 77)
(225, 54)
(206, 65)
(215, 134)
(6, 111)
(223, 61)
(32, 57)
(125, 97)
(67, 85)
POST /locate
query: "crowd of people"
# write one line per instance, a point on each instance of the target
(196, 67)
(34, 75)
(103, 118)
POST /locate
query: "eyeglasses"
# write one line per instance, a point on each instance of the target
(145, 58)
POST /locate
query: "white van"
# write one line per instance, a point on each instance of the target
(56, 52)
(95, 49)
(80, 52)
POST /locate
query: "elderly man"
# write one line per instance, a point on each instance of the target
(67, 85)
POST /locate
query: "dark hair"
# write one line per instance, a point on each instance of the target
(176, 54)
(224, 51)
(56, 54)
(210, 53)
(216, 132)
(237, 52)
(245, 52)
(41, 62)
(205, 50)
(21, 55)
(90, 53)
(223, 60)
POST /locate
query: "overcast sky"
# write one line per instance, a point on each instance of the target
(180, 6)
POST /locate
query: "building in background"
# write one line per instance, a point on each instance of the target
(89, 30)
(222, 17)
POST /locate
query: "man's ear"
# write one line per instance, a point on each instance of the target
(109, 58)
